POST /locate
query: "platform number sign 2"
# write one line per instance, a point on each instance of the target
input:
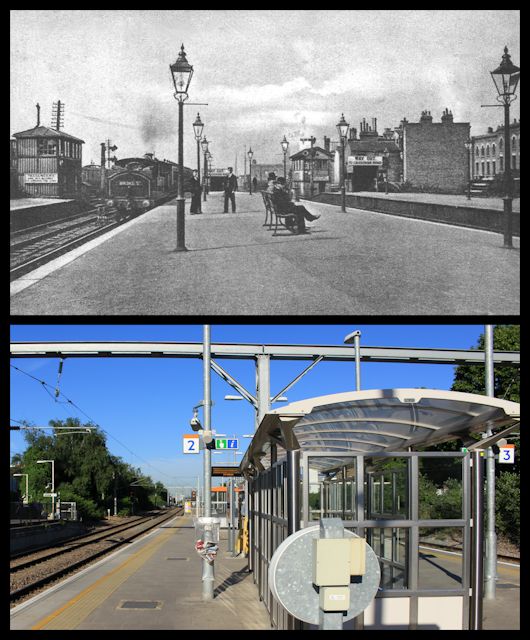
(190, 443)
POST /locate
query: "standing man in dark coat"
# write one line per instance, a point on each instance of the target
(230, 187)
(196, 189)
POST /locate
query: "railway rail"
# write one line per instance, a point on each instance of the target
(38, 245)
(34, 574)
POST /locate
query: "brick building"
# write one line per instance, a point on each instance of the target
(434, 153)
(487, 154)
(370, 158)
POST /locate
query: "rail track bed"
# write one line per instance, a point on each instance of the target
(32, 572)
(34, 246)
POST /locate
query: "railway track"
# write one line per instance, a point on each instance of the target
(33, 574)
(38, 245)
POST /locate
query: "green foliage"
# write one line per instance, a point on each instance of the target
(471, 378)
(85, 471)
(508, 498)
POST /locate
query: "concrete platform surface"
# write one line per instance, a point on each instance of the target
(154, 583)
(360, 262)
(456, 200)
(26, 203)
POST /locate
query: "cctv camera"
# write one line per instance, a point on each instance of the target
(194, 423)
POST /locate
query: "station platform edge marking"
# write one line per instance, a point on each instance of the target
(78, 608)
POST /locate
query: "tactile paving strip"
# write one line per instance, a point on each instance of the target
(76, 610)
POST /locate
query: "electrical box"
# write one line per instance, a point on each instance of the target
(334, 598)
(358, 556)
(331, 561)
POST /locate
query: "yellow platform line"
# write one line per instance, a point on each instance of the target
(77, 609)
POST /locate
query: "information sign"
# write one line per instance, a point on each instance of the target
(507, 454)
(190, 443)
(49, 495)
(224, 443)
(41, 178)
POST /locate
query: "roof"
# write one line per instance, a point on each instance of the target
(45, 132)
(376, 420)
(373, 145)
(315, 151)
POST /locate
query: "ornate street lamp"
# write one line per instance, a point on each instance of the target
(250, 153)
(285, 146)
(197, 130)
(181, 72)
(204, 145)
(209, 158)
(342, 128)
(505, 77)
(386, 155)
(468, 145)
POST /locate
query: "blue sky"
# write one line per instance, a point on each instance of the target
(145, 405)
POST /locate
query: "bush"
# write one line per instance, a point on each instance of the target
(507, 500)
(86, 509)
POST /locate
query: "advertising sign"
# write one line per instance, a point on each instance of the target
(41, 178)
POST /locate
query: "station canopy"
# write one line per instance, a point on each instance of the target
(376, 421)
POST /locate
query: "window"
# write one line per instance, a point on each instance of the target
(482, 173)
(477, 152)
(501, 164)
(493, 167)
(488, 168)
(46, 147)
(487, 150)
(514, 143)
(477, 168)
(501, 144)
(514, 159)
(482, 151)
(493, 149)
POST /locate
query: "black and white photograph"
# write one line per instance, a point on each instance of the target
(264, 162)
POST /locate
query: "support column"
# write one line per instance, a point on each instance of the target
(491, 536)
(263, 387)
(293, 491)
(477, 542)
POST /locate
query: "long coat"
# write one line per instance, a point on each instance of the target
(230, 184)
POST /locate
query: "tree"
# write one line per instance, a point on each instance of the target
(85, 471)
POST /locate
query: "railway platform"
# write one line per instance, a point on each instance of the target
(27, 203)
(361, 261)
(153, 583)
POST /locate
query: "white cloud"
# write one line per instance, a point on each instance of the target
(255, 94)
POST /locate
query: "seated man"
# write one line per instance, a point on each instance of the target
(285, 205)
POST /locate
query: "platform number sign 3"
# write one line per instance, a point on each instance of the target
(507, 454)
(190, 443)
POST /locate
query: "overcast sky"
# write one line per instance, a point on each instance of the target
(264, 74)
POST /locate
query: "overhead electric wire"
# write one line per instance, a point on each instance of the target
(68, 401)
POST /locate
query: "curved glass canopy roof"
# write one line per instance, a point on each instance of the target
(376, 420)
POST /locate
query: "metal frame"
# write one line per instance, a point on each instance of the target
(276, 511)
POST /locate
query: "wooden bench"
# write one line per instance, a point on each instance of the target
(280, 218)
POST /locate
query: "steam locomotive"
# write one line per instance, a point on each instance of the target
(137, 184)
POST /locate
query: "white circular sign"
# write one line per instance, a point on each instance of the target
(291, 577)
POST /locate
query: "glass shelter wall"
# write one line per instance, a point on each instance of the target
(409, 506)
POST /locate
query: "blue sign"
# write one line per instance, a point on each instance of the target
(232, 444)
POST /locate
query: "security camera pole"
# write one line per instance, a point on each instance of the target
(207, 567)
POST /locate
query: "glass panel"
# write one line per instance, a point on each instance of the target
(387, 488)
(441, 563)
(390, 544)
(440, 488)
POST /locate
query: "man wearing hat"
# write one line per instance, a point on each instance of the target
(230, 187)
